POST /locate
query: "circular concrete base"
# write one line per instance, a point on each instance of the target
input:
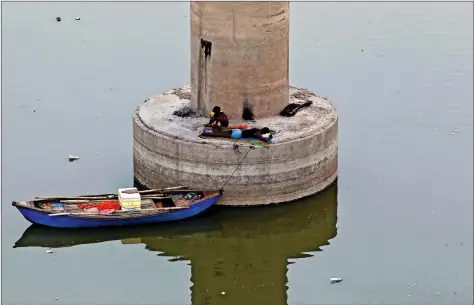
(301, 161)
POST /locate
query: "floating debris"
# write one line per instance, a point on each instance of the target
(58, 19)
(49, 251)
(335, 280)
(223, 293)
(56, 299)
(78, 18)
(73, 158)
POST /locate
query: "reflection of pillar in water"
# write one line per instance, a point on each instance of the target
(243, 253)
(245, 280)
(248, 259)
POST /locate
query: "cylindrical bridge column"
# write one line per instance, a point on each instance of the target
(239, 57)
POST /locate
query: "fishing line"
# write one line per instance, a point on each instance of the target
(250, 148)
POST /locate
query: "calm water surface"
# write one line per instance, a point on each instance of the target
(397, 227)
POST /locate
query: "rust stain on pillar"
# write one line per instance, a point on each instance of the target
(248, 58)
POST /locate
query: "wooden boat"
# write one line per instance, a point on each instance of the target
(156, 206)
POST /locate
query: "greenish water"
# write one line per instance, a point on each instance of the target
(397, 227)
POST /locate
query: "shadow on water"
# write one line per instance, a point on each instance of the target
(242, 251)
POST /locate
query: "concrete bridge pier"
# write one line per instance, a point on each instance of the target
(239, 58)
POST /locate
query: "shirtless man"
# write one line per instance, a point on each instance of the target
(239, 133)
(218, 118)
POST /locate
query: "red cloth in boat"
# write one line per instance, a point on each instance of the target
(103, 205)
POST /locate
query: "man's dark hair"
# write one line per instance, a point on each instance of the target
(216, 109)
(264, 130)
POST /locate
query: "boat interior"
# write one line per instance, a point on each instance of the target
(102, 205)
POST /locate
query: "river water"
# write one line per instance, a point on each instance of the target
(397, 227)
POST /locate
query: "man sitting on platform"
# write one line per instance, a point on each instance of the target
(218, 118)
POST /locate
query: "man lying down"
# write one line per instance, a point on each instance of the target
(239, 133)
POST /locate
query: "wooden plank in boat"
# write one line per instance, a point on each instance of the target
(107, 196)
(124, 213)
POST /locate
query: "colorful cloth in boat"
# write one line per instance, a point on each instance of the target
(107, 211)
(47, 206)
(103, 205)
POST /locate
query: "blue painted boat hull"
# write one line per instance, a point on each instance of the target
(68, 221)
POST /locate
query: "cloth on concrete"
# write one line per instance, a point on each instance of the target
(250, 141)
(293, 108)
(241, 126)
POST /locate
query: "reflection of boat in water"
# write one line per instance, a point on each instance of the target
(41, 236)
(241, 251)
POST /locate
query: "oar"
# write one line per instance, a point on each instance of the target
(118, 211)
(108, 196)
(165, 189)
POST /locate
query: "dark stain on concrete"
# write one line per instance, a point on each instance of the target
(204, 57)
(279, 13)
(247, 113)
(207, 47)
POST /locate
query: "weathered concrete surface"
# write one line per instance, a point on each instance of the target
(239, 54)
(302, 161)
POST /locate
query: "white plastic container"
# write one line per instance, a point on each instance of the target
(129, 201)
